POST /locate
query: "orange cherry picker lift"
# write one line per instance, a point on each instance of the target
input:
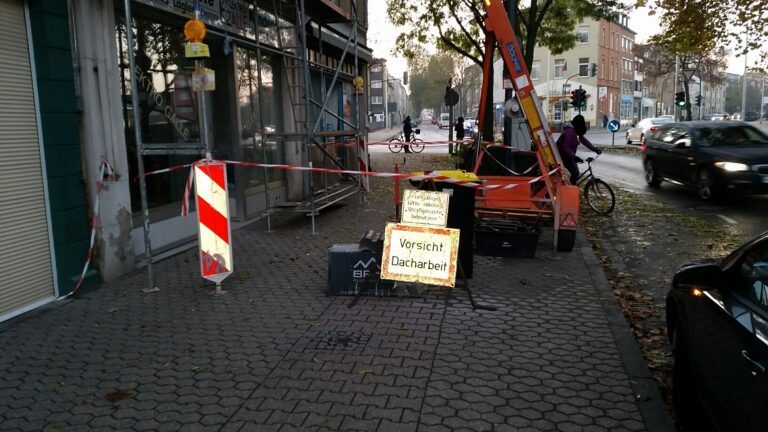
(552, 198)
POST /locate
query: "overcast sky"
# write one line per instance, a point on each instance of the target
(382, 34)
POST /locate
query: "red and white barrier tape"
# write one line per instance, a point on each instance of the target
(433, 175)
(105, 170)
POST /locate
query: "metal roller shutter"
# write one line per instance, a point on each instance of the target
(25, 254)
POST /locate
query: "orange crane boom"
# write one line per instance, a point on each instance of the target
(559, 198)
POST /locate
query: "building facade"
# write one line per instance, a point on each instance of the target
(610, 93)
(278, 98)
(45, 216)
(377, 118)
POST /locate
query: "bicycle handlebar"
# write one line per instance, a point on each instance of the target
(591, 159)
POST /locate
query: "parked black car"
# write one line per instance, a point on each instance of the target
(713, 157)
(717, 321)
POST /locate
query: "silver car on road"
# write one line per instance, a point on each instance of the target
(645, 126)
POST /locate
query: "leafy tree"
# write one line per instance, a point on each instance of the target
(733, 93)
(429, 76)
(659, 65)
(700, 31)
(457, 26)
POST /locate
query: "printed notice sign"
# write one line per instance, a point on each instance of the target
(420, 254)
(425, 208)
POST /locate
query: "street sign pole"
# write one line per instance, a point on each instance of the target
(613, 127)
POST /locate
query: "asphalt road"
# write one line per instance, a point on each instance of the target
(745, 214)
(434, 137)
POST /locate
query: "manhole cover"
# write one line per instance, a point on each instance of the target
(339, 341)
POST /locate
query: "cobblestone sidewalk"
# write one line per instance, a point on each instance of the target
(275, 353)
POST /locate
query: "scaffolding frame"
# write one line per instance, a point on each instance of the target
(296, 67)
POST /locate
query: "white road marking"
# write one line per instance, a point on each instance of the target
(728, 220)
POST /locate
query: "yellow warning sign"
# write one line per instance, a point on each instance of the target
(420, 254)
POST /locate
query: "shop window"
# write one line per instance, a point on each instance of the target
(168, 107)
(258, 111)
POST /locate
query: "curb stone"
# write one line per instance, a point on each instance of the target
(647, 396)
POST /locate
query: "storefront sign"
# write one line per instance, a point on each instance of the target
(237, 16)
(420, 254)
(209, 9)
(425, 207)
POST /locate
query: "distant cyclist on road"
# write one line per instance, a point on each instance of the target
(407, 131)
(568, 142)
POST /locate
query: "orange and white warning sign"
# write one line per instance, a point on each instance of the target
(214, 230)
(425, 254)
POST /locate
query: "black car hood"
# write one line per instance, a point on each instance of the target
(747, 154)
(699, 263)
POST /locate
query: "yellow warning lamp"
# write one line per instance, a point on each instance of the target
(195, 31)
(358, 82)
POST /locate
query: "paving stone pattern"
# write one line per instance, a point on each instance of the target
(275, 354)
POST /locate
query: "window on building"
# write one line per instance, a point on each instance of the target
(258, 114)
(583, 34)
(168, 106)
(559, 67)
(377, 100)
(626, 87)
(376, 84)
(602, 67)
(602, 36)
(583, 66)
(536, 70)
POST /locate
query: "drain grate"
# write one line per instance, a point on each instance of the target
(339, 341)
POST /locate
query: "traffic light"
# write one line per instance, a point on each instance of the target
(680, 98)
(574, 98)
(698, 100)
(582, 99)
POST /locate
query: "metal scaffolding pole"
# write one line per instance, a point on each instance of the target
(137, 137)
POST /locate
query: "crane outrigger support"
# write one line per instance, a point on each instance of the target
(559, 199)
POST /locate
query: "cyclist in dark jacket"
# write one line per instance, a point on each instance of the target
(568, 142)
(407, 131)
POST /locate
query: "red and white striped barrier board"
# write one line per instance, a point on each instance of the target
(214, 230)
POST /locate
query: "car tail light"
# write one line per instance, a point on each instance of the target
(642, 147)
(653, 129)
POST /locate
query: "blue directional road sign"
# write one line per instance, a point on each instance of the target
(614, 126)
